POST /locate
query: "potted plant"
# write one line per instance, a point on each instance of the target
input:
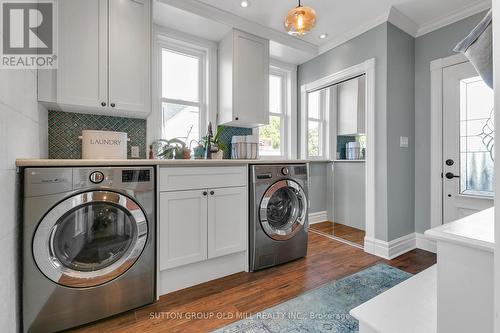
(218, 146)
(172, 148)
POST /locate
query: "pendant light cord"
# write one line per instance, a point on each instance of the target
(300, 5)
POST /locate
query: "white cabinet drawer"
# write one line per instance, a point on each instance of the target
(191, 178)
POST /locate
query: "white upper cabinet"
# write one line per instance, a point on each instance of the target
(129, 53)
(244, 80)
(104, 58)
(351, 107)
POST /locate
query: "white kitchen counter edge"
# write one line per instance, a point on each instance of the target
(476, 231)
(79, 163)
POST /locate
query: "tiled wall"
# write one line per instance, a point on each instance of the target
(227, 135)
(23, 133)
(341, 143)
(65, 127)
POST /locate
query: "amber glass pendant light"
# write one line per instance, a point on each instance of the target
(300, 20)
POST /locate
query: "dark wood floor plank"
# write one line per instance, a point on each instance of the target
(247, 293)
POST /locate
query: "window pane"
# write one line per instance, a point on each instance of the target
(270, 137)
(476, 137)
(275, 93)
(313, 108)
(314, 134)
(180, 76)
(181, 121)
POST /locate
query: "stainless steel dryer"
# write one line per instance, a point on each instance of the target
(88, 244)
(278, 214)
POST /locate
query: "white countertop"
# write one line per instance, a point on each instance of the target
(70, 163)
(410, 306)
(476, 230)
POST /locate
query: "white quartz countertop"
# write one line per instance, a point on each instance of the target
(76, 163)
(476, 230)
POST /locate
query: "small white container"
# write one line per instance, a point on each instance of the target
(104, 145)
(252, 147)
(238, 148)
(353, 151)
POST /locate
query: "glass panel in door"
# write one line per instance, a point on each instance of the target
(476, 137)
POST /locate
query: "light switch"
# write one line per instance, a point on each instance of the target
(403, 142)
(135, 151)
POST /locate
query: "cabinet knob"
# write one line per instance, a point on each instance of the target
(212, 192)
(113, 105)
(205, 193)
(103, 104)
(237, 118)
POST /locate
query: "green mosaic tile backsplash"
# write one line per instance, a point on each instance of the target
(65, 128)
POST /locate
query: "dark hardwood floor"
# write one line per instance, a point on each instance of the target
(246, 293)
(341, 231)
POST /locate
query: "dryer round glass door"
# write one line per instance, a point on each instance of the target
(283, 210)
(90, 239)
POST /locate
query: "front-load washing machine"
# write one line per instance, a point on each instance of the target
(278, 214)
(88, 244)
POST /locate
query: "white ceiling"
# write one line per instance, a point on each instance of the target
(340, 19)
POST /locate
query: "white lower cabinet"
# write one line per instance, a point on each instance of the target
(203, 225)
(227, 221)
(183, 228)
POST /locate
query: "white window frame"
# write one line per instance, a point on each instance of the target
(288, 116)
(324, 124)
(176, 40)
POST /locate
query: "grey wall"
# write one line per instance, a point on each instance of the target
(371, 44)
(432, 46)
(349, 194)
(23, 133)
(400, 114)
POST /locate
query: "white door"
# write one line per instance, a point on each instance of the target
(227, 221)
(83, 44)
(467, 142)
(129, 55)
(183, 228)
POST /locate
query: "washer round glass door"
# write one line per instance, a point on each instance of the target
(90, 239)
(283, 210)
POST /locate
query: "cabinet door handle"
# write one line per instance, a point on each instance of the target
(205, 193)
(103, 104)
(212, 192)
(113, 105)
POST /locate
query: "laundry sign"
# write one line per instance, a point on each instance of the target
(104, 145)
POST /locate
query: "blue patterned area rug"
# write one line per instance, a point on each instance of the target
(325, 309)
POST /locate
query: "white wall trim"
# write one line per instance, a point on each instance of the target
(399, 246)
(318, 217)
(436, 148)
(238, 22)
(425, 243)
(367, 68)
(454, 16)
(402, 21)
(392, 249)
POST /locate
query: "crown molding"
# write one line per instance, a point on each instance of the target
(238, 22)
(454, 16)
(334, 42)
(402, 21)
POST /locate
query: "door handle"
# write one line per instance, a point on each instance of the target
(450, 175)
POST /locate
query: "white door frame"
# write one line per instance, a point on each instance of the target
(367, 68)
(436, 195)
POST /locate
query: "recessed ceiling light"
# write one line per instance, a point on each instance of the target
(244, 4)
(323, 36)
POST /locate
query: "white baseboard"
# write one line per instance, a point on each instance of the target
(392, 249)
(318, 217)
(425, 243)
(399, 246)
